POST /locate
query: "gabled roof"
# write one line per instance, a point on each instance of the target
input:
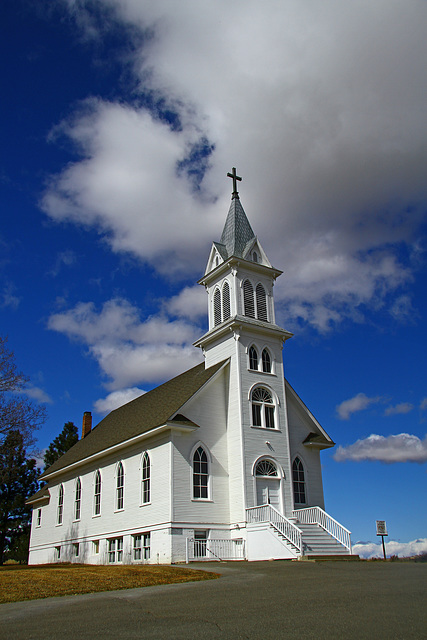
(153, 409)
(318, 437)
(237, 232)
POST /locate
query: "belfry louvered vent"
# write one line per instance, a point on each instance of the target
(217, 307)
(248, 299)
(261, 303)
(226, 301)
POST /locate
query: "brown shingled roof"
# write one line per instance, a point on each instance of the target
(150, 410)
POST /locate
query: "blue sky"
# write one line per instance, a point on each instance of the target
(119, 123)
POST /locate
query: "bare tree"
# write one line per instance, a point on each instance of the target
(17, 412)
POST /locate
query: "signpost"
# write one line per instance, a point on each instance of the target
(382, 531)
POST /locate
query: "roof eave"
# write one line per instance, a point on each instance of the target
(167, 426)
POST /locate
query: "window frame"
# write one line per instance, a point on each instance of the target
(78, 499)
(145, 479)
(217, 310)
(201, 482)
(97, 493)
(264, 360)
(143, 549)
(226, 301)
(115, 550)
(253, 360)
(120, 487)
(261, 302)
(263, 413)
(60, 509)
(297, 482)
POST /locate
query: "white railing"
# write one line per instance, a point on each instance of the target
(267, 513)
(316, 515)
(214, 549)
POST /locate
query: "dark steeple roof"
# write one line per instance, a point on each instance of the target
(237, 230)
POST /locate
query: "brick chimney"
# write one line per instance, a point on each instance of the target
(87, 424)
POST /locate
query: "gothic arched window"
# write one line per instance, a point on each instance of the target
(261, 303)
(217, 307)
(266, 361)
(120, 487)
(200, 474)
(253, 358)
(77, 499)
(248, 299)
(298, 478)
(145, 488)
(226, 301)
(262, 408)
(60, 512)
(97, 494)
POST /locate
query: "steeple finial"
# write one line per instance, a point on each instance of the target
(233, 175)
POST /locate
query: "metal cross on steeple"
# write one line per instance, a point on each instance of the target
(235, 177)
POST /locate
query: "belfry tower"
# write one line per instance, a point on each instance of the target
(239, 280)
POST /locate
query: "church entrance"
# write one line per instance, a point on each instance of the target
(268, 484)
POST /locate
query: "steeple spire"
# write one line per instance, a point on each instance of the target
(237, 230)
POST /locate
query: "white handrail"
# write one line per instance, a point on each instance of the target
(316, 515)
(267, 513)
(214, 549)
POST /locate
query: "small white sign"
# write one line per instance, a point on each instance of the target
(381, 528)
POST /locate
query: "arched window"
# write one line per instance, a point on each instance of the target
(60, 512)
(262, 408)
(77, 499)
(248, 299)
(120, 486)
(253, 358)
(266, 361)
(226, 301)
(145, 488)
(97, 494)
(217, 307)
(200, 474)
(266, 468)
(255, 256)
(298, 478)
(261, 303)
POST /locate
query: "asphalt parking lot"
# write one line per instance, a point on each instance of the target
(250, 600)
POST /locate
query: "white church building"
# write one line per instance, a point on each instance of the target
(221, 462)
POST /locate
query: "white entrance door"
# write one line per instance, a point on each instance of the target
(268, 492)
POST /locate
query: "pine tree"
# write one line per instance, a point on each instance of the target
(18, 481)
(66, 439)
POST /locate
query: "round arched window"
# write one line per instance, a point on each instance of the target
(262, 408)
(266, 468)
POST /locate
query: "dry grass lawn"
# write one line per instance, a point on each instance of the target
(19, 582)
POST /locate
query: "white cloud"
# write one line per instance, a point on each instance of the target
(423, 404)
(393, 548)
(400, 448)
(353, 405)
(127, 350)
(9, 298)
(35, 393)
(322, 111)
(64, 258)
(117, 399)
(403, 407)
(191, 302)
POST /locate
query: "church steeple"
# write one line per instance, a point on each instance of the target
(239, 279)
(237, 233)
